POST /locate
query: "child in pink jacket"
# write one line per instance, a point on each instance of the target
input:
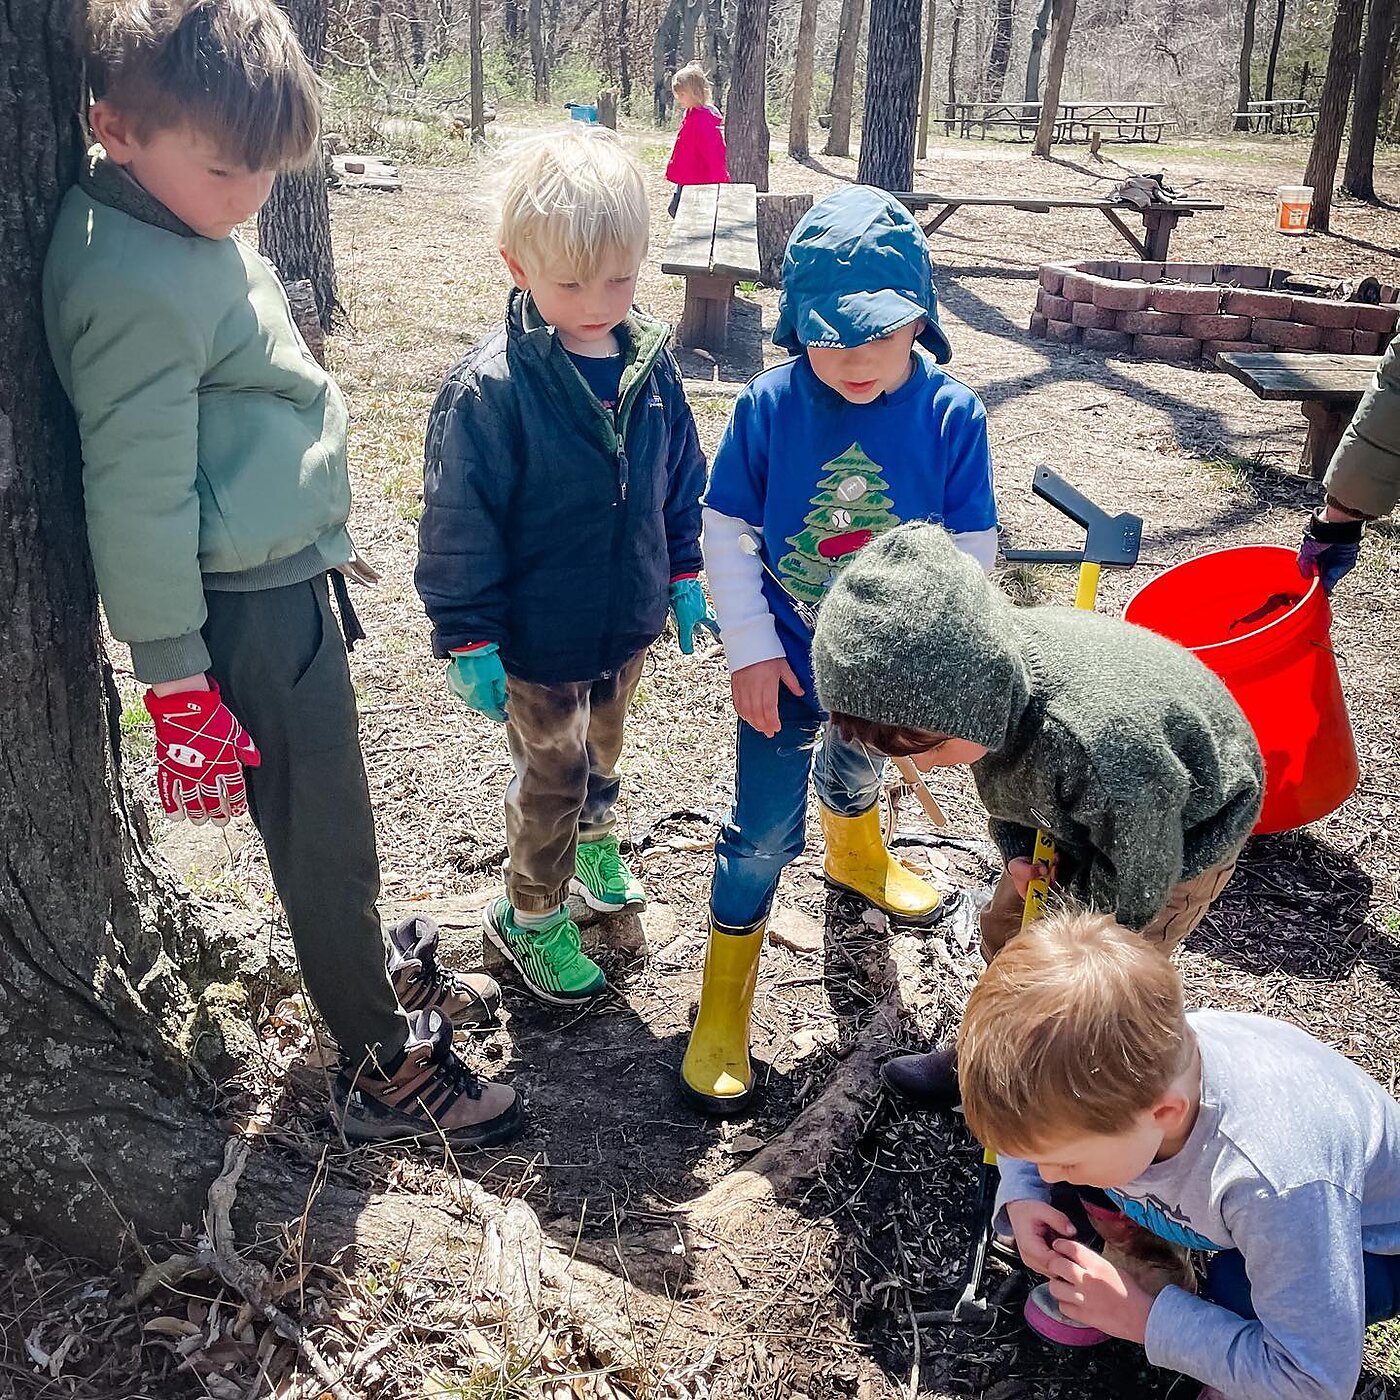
(698, 157)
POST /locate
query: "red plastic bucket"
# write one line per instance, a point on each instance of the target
(1266, 632)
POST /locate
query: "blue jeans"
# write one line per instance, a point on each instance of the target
(766, 829)
(1227, 1283)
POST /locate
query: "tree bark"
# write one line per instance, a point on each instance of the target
(1332, 110)
(746, 124)
(624, 55)
(891, 95)
(1038, 36)
(1359, 176)
(1246, 63)
(294, 226)
(539, 60)
(843, 80)
(950, 107)
(99, 956)
(1280, 9)
(999, 55)
(477, 74)
(926, 80)
(665, 58)
(718, 53)
(1062, 20)
(799, 143)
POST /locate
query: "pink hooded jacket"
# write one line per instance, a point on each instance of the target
(698, 157)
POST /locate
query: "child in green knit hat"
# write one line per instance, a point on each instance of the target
(1120, 745)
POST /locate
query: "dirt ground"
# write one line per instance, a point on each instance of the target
(813, 1292)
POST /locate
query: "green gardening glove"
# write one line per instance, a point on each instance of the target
(691, 612)
(477, 678)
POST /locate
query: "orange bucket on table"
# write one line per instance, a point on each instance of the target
(1266, 632)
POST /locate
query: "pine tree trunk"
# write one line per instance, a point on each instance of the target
(1038, 37)
(746, 122)
(843, 81)
(799, 144)
(1062, 21)
(1332, 110)
(926, 81)
(294, 226)
(1246, 63)
(891, 95)
(999, 56)
(1359, 176)
(99, 1128)
(477, 73)
(1280, 9)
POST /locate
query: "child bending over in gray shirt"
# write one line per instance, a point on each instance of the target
(1218, 1131)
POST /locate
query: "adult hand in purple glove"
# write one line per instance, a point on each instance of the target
(1330, 547)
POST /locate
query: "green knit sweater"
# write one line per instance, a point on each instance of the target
(1122, 745)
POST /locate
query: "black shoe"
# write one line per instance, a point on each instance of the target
(925, 1081)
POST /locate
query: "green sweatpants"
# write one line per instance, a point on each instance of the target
(279, 658)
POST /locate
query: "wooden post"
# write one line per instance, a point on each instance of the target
(607, 108)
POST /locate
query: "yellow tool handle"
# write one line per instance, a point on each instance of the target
(1038, 891)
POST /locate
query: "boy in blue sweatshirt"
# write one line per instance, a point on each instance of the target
(859, 431)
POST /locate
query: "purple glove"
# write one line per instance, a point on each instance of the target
(1329, 549)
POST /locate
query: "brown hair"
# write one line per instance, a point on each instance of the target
(894, 740)
(231, 69)
(1076, 1027)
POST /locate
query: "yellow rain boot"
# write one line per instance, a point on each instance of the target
(716, 1076)
(857, 861)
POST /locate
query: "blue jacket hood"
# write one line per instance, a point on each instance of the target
(857, 268)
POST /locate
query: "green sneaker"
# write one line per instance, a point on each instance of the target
(548, 959)
(601, 876)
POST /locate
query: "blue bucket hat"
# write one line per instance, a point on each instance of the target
(857, 268)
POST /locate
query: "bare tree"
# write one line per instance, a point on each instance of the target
(294, 226)
(950, 110)
(891, 95)
(843, 81)
(665, 58)
(624, 55)
(1280, 9)
(539, 58)
(999, 55)
(1037, 44)
(478, 76)
(1359, 176)
(1061, 21)
(1332, 110)
(926, 80)
(1246, 63)
(746, 123)
(799, 146)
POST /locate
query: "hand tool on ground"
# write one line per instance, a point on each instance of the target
(1109, 540)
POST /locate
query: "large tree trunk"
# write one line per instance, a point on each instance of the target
(1359, 177)
(294, 226)
(891, 95)
(100, 1128)
(799, 144)
(999, 55)
(746, 124)
(1038, 37)
(718, 53)
(1332, 110)
(926, 80)
(843, 79)
(1246, 63)
(1062, 20)
(665, 58)
(1280, 9)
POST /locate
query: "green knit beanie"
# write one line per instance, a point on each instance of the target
(912, 633)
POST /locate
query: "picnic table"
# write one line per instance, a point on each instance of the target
(1279, 114)
(1158, 219)
(1131, 119)
(1328, 387)
(714, 246)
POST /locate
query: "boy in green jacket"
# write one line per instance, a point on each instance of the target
(216, 492)
(1117, 743)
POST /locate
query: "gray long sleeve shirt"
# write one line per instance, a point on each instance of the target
(1294, 1160)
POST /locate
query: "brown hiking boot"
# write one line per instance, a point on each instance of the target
(427, 1096)
(421, 983)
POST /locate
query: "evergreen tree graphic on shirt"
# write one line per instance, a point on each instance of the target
(848, 511)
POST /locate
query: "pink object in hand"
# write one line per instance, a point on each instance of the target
(1043, 1316)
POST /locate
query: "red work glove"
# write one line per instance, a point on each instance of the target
(201, 752)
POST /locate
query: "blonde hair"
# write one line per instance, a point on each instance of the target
(1077, 1026)
(691, 79)
(570, 200)
(231, 69)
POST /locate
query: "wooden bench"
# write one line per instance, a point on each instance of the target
(1158, 219)
(1327, 386)
(714, 246)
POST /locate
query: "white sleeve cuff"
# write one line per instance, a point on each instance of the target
(746, 624)
(981, 545)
